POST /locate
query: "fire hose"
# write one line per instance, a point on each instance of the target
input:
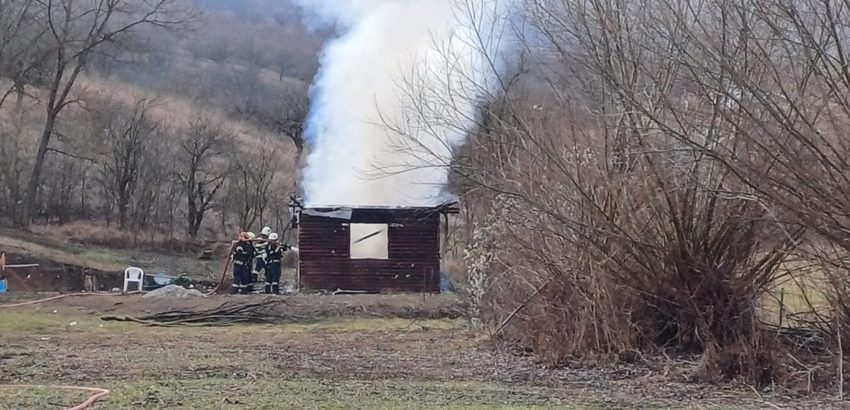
(223, 277)
(99, 394)
(57, 297)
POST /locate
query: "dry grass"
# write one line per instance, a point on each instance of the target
(106, 259)
(335, 363)
(60, 255)
(799, 292)
(99, 234)
(196, 368)
(177, 113)
(173, 111)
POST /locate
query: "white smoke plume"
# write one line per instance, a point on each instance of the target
(396, 95)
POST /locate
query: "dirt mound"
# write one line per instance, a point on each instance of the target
(174, 292)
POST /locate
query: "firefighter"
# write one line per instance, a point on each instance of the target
(249, 281)
(274, 257)
(260, 255)
(243, 254)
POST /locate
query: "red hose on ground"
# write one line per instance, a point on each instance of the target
(223, 277)
(35, 302)
(57, 297)
(99, 394)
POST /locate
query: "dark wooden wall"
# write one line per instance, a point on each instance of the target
(414, 252)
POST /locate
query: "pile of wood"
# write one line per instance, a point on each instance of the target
(229, 313)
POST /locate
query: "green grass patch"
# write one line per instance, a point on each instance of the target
(325, 394)
(39, 240)
(43, 321)
(27, 322)
(40, 398)
(103, 256)
(345, 325)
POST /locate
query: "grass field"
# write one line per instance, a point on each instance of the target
(357, 353)
(799, 291)
(256, 367)
(225, 393)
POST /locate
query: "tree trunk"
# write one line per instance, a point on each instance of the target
(191, 217)
(196, 226)
(19, 98)
(299, 153)
(123, 205)
(83, 212)
(35, 177)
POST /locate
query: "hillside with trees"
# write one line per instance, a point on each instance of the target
(173, 116)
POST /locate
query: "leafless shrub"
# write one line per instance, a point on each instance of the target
(616, 231)
(757, 87)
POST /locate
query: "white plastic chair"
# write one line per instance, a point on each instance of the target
(133, 275)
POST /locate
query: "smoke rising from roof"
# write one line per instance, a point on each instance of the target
(396, 95)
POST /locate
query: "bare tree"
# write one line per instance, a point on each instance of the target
(76, 29)
(155, 199)
(197, 171)
(251, 186)
(13, 167)
(23, 51)
(126, 137)
(292, 121)
(284, 113)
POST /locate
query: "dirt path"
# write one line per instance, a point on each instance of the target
(360, 357)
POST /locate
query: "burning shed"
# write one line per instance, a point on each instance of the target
(371, 249)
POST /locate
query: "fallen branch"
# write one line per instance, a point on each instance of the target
(265, 312)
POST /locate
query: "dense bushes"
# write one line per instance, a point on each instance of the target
(649, 173)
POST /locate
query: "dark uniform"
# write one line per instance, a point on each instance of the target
(274, 257)
(260, 255)
(243, 255)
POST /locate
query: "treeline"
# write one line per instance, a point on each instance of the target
(164, 115)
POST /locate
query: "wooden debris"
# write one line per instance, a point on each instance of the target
(228, 313)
